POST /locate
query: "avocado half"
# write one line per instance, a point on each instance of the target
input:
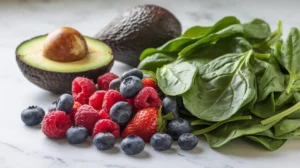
(56, 76)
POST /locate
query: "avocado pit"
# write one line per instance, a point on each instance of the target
(65, 44)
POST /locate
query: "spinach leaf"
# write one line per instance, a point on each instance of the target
(281, 115)
(294, 115)
(155, 61)
(270, 133)
(269, 108)
(290, 57)
(218, 124)
(256, 29)
(297, 96)
(213, 37)
(176, 79)
(267, 142)
(266, 108)
(233, 130)
(275, 35)
(296, 86)
(271, 81)
(189, 37)
(283, 99)
(290, 135)
(221, 88)
(171, 47)
(285, 126)
(204, 55)
(197, 31)
(200, 31)
(267, 133)
(148, 52)
(272, 40)
(200, 122)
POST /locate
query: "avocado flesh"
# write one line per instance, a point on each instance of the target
(30, 52)
(57, 77)
(142, 27)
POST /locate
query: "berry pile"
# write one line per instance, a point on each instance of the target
(128, 106)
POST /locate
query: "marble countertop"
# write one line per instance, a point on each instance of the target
(25, 147)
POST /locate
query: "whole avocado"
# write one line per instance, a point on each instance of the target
(144, 26)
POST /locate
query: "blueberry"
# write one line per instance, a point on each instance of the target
(33, 115)
(131, 86)
(132, 145)
(170, 105)
(52, 107)
(161, 141)
(178, 127)
(187, 141)
(77, 135)
(104, 141)
(115, 84)
(133, 72)
(65, 103)
(120, 113)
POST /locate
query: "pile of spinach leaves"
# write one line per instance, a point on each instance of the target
(234, 79)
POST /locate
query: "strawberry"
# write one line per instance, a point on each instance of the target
(145, 123)
(149, 82)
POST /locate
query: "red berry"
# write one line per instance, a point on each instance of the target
(104, 80)
(149, 82)
(107, 126)
(147, 98)
(82, 89)
(131, 103)
(73, 112)
(96, 100)
(144, 124)
(104, 114)
(110, 98)
(87, 117)
(56, 124)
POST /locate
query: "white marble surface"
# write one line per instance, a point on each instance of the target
(24, 147)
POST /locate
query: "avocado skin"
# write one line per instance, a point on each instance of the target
(144, 26)
(58, 82)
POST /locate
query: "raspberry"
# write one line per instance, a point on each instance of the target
(147, 98)
(82, 89)
(74, 111)
(149, 82)
(107, 126)
(87, 117)
(131, 103)
(104, 114)
(56, 124)
(96, 100)
(110, 98)
(104, 80)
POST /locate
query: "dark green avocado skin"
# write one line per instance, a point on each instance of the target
(58, 82)
(144, 26)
